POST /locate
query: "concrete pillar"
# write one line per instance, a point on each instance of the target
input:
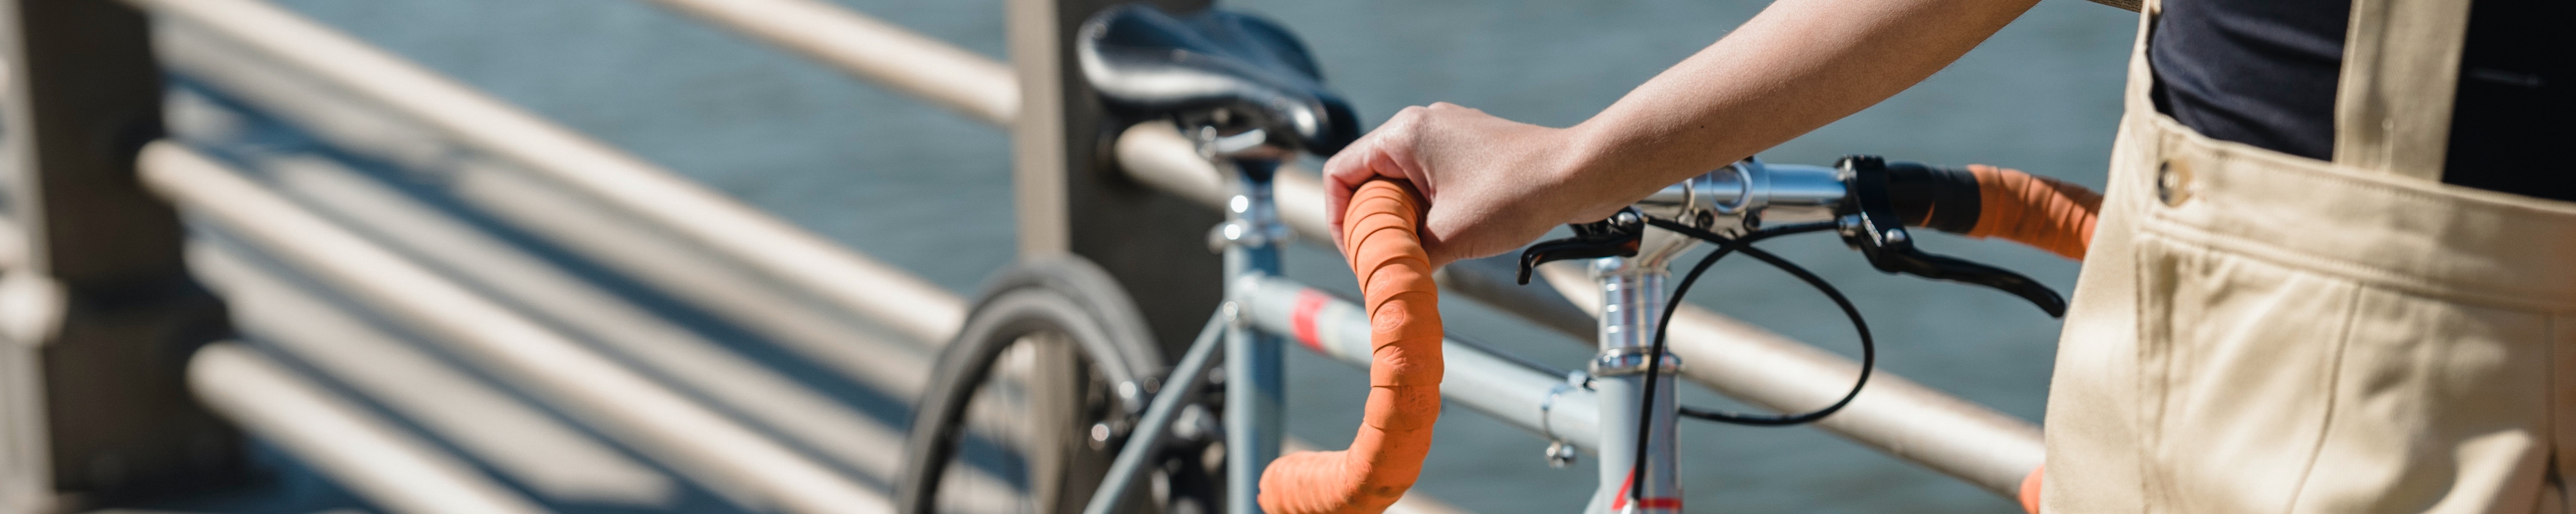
(102, 317)
(1072, 197)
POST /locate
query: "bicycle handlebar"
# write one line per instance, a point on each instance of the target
(2043, 212)
(1869, 201)
(1984, 201)
(1386, 253)
(1976, 200)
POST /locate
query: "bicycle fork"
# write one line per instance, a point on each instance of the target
(1632, 299)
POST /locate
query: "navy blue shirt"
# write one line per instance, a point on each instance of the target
(2263, 73)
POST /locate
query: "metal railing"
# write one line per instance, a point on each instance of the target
(1987, 448)
(365, 453)
(718, 451)
(628, 184)
(683, 357)
(761, 296)
(252, 48)
(516, 439)
(918, 65)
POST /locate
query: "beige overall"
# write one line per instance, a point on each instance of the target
(2260, 332)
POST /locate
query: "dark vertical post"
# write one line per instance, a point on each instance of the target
(104, 255)
(1070, 194)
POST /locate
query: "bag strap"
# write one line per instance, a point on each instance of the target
(2401, 69)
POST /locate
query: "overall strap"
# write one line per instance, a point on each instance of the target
(2401, 67)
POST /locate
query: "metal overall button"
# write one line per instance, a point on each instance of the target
(2173, 182)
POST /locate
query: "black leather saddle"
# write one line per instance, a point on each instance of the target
(1213, 67)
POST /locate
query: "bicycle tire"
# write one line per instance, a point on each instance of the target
(1075, 300)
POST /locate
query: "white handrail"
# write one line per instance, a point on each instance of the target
(693, 438)
(359, 450)
(775, 247)
(13, 244)
(918, 65)
(685, 359)
(516, 439)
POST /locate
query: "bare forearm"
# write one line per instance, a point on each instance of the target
(1495, 184)
(1796, 66)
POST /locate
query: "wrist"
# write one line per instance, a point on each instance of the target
(1588, 171)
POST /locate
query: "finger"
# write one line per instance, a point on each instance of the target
(1370, 157)
(1342, 176)
(1338, 185)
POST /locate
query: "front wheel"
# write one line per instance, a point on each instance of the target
(1034, 398)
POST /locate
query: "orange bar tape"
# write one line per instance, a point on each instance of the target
(1404, 371)
(2043, 212)
(2030, 489)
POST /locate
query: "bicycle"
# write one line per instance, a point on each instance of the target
(1082, 409)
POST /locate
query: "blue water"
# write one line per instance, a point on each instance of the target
(927, 190)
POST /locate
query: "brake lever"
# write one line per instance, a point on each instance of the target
(1894, 252)
(1869, 223)
(1614, 237)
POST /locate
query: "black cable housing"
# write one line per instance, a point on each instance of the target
(1655, 353)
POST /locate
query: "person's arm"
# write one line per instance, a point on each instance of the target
(1494, 184)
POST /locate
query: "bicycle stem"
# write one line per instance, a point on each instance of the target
(1632, 299)
(1735, 198)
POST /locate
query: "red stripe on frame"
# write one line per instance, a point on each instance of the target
(1621, 501)
(1302, 319)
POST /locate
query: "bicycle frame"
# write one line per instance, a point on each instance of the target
(1632, 299)
(1254, 386)
(1572, 411)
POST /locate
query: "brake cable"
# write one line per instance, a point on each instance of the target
(1725, 246)
(1865, 214)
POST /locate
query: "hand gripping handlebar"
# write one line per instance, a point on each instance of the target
(1404, 372)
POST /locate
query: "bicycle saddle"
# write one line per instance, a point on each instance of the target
(1230, 69)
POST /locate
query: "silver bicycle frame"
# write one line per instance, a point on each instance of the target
(1594, 411)
(1254, 385)
(1254, 382)
(1632, 298)
(1734, 199)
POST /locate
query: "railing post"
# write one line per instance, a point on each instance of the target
(102, 319)
(1071, 195)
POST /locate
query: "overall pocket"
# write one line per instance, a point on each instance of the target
(2238, 361)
